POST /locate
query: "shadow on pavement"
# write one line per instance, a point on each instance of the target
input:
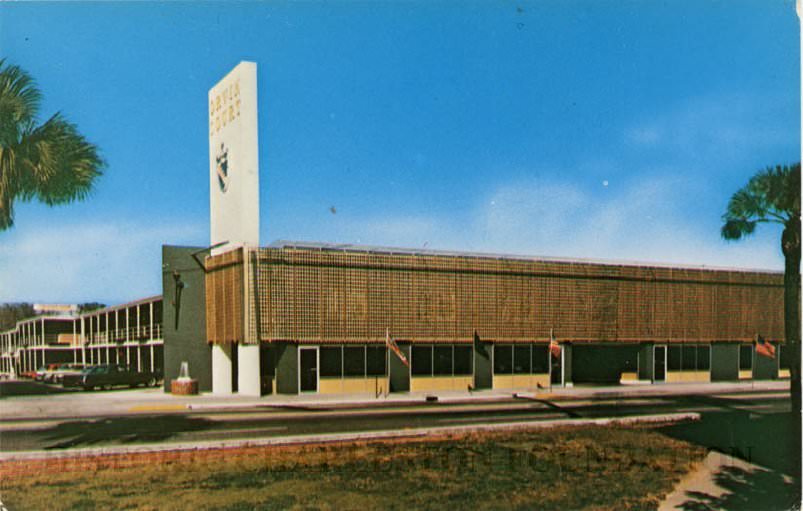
(770, 440)
(745, 490)
(124, 430)
(29, 388)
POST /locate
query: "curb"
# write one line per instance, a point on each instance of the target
(344, 437)
(555, 395)
(367, 404)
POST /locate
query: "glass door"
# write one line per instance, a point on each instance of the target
(659, 357)
(308, 369)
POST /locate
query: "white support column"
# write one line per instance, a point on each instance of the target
(248, 371)
(108, 350)
(127, 325)
(139, 358)
(150, 325)
(221, 369)
(82, 340)
(249, 375)
(153, 366)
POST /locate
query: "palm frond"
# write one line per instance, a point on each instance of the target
(19, 103)
(736, 229)
(52, 162)
(771, 195)
(60, 163)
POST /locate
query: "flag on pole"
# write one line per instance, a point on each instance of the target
(763, 347)
(392, 346)
(554, 347)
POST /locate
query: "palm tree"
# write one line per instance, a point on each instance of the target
(773, 196)
(51, 162)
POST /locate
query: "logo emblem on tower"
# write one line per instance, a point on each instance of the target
(222, 159)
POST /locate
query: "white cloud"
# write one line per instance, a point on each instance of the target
(714, 128)
(79, 262)
(640, 221)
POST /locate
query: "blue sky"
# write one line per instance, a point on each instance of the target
(600, 129)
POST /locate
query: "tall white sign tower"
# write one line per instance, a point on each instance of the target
(234, 204)
(234, 158)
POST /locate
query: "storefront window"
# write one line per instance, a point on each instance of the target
(688, 357)
(703, 357)
(442, 361)
(521, 359)
(540, 357)
(784, 357)
(463, 363)
(354, 361)
(376, 358)
(745, 357)
(422, 361)
(331, 361)
(503, 359)
(674, 358)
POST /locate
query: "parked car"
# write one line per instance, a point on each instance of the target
(64, 369)
(38, 375)
(108, 376)
(44, 372)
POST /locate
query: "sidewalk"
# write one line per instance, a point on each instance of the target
(723, 482)
(87, 404)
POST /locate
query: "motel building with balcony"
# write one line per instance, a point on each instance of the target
(129, 333)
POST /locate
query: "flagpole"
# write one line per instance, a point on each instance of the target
(387, 361)
(549, 356)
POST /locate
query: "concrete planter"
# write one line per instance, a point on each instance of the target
(188, 387)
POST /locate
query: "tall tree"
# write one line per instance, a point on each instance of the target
(51, 162)
(773, 196)
(10, 313)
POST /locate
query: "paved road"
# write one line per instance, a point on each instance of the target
(270, 421)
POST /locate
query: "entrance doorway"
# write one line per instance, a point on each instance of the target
(308, 369)
(659, 357)
(556, 369)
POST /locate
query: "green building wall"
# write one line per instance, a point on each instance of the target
(724, 361)
(184, 317)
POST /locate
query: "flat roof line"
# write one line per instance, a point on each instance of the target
(375, 249)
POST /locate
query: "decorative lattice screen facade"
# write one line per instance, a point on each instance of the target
(315, 294)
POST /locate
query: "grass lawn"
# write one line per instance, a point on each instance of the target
(573, 468)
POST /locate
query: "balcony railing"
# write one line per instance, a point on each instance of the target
(120, 335)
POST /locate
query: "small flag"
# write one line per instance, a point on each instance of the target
(392, 346)
(763, 347)
(479, 347)
(554, 347)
